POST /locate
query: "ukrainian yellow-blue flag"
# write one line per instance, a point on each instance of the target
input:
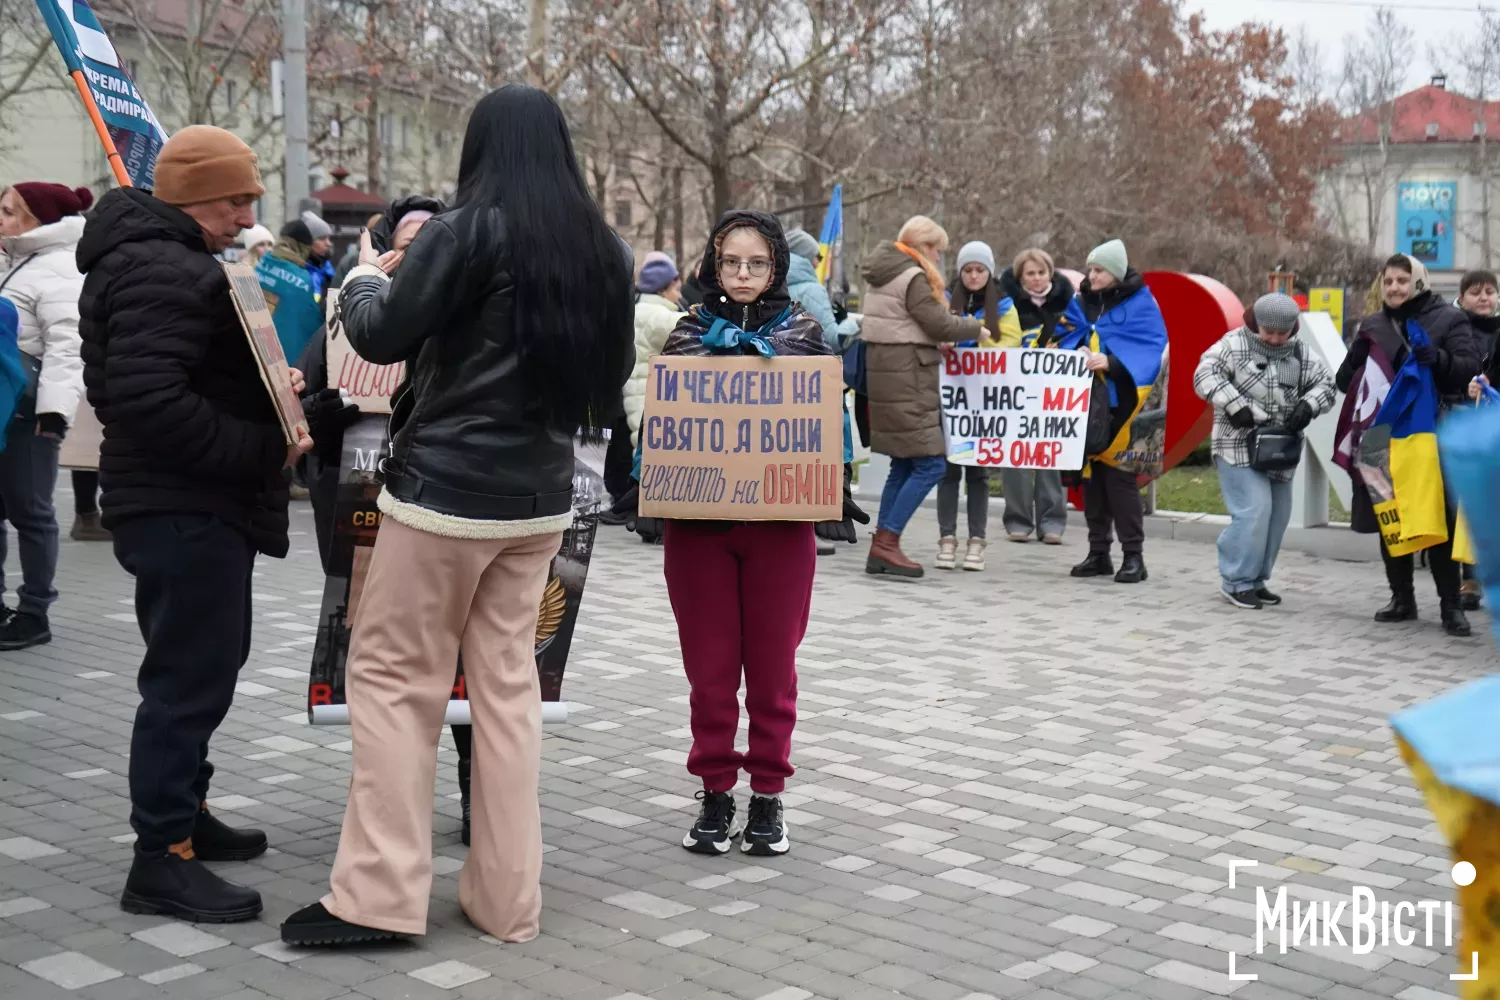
(831, 267)
(1415, 518)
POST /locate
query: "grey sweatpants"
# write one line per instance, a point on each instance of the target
(1035, 502)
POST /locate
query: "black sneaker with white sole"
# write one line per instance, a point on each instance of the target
(765, 830)
(1244, 599)
(1267, 598)
(716, 827)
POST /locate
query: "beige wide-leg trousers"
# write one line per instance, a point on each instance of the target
(426, 598)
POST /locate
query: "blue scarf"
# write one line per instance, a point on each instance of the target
(725, 337)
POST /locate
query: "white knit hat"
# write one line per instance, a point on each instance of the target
(255, 236)
(977, 253)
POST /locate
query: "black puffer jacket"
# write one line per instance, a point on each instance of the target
(469, 435)
(188, 425)
(1459, 357)
(1032, 315)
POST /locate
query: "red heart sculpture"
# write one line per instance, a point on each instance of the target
(1198, 311)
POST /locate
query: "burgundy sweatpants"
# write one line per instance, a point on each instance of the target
(741, 597)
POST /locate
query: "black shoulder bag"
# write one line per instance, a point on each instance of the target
(1274, 449)
(26, 402)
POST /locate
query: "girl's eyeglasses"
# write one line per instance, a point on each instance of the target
(758, 267)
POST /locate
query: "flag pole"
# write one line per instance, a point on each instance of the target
(115, 163)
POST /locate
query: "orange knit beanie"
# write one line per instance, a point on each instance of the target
(205, 163)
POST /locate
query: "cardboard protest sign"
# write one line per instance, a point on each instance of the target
(743, 439)
(80, 448)
(275, 372)
(369, 385)
(356, 524)
(1015, 408)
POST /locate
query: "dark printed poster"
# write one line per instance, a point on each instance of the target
(356, 522)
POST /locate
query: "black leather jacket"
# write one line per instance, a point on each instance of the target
(468, 436)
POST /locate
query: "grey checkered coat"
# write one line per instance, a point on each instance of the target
(1239, 371)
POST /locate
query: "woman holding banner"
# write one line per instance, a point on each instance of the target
(741, 591)
(906, 323)
(1126, 341)
(975, 293)
(1035, 502)
(1378, 352)
(513, 312)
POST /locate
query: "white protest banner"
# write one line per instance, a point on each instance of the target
(1015, 408)
(743, 439)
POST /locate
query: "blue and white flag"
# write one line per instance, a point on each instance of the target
(126, 125)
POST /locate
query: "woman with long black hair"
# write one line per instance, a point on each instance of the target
(514, 313)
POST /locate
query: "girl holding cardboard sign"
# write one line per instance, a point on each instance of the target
(741, 591)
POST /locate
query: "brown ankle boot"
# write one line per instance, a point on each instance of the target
(886, 556)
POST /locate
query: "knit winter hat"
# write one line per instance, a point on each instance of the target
(205, 163)
(1277, 312)
(801, 242)
(1112, 257)
(977, 253)
(297, 230)
(48, 203)
(316, 227)
(657, 273)
(255, 236)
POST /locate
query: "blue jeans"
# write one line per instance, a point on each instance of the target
(1259, 511)
(28, 475)
(907, 485)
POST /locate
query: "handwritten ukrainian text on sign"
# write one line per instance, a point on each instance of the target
(370, 386)
(1015, 408)
(743, 439)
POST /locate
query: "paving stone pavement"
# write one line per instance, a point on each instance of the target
(1011, 784)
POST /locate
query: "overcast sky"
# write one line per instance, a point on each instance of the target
(1436, 24)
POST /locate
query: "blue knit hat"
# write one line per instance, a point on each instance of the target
(657, 273)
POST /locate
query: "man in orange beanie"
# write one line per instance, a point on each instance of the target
(194, 487)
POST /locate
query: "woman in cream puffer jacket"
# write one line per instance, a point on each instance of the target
(656, 315)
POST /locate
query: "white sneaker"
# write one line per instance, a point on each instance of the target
(947, 557)
(974, 557)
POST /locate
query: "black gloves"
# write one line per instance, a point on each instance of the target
(843, 531)
(628, 503)
(1426, 355)
(1302, 415)
(1241, 418)
(328, 416)
(840, 312)
(52, 425)
(650, 529)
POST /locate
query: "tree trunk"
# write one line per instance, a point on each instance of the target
(677, 218)
(536, 44)
(372, 109)
(813, 183)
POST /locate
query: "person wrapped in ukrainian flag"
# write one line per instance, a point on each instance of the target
(1126, 338)
(1405, 365)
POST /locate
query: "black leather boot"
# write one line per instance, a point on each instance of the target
(464, 766)
(1403, 608)
(1097, 564)
(1132, 568)
(214, 841)
(175, 883)
(1455, 622)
